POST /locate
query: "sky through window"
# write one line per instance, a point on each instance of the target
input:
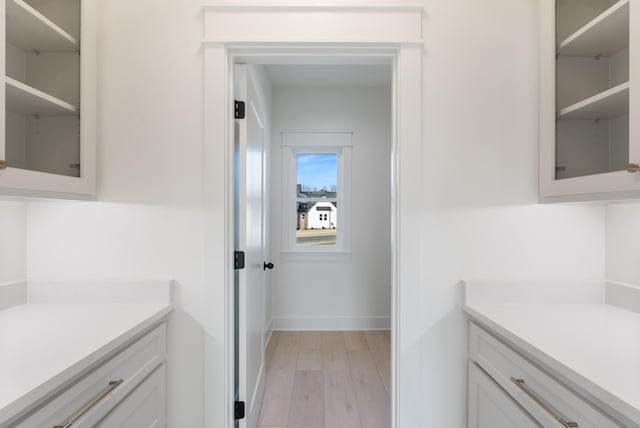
(317, 171)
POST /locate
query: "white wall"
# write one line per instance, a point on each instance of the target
(149, 223)
(480, 190)
(623, 243)
(338, 294)
(13, 266)
(480, 219)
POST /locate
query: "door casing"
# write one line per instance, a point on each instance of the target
(404, 53)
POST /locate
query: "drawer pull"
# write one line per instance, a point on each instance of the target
(84, 409)
(520, 383)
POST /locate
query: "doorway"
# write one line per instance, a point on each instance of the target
(313, 144)
(327, 320)
(321, 34)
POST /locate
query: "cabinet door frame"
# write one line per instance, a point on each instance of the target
(605, 186)
(479, 379)
(23, 182)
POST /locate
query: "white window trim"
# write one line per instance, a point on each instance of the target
(316, 142)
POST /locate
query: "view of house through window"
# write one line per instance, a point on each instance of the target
(316, 197)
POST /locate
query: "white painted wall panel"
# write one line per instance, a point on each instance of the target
(623, 243)
(126, 242)
(150, 223)
(13, 241)
(480, 192)
(324, 294)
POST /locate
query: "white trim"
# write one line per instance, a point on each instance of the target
(329, 139)
(298, 47)
(226, 23)
(315, 256)
(13, 294)
(406, 169)
(332, 323)
(256, 397)
(338, 144)
(268, 333)
(325, 6)
(625, 296)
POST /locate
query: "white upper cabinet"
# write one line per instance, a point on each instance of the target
(48, 138)
(589, 112)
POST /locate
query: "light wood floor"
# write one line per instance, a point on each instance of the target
(327, 379)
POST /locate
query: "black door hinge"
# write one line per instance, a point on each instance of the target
(238, 259)
(239, 109)
(239, 410)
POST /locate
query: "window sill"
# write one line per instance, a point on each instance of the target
(315, 256)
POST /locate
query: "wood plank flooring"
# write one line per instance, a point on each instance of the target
(327, 380)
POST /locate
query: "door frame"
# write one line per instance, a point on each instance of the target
(404, 49)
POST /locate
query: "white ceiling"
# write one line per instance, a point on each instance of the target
(378, 75)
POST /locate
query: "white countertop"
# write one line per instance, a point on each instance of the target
(43, 346)
(592, 347)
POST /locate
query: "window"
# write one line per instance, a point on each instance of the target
(316, 193)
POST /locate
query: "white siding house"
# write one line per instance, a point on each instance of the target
(323, 215)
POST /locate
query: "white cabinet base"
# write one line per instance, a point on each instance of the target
(491, 407)
(144, 407)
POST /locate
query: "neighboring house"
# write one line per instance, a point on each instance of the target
(322, 215)
(303, 215)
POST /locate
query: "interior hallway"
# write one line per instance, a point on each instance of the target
(327, 379)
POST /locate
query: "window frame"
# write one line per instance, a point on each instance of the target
(316, 142)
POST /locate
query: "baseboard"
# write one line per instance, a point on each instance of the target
(268, 332)
(624, 296)
(253, 409)
(13, 294)
(332, 323)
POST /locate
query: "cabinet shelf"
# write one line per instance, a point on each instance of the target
(25, 100)
(609, 104)
(29, 30)
(605, 35)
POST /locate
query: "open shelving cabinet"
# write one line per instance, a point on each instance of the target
(48, 144)
(589, 126)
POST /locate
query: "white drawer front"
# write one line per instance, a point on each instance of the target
(491, 407)
(131, 366)
(531, 387)
(144, 407)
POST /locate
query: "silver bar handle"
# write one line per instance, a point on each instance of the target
(520, 383)
(91, 404)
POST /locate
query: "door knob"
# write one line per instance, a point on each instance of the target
(267, 265)
(633, 167)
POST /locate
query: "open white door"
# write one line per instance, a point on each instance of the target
(249, 236)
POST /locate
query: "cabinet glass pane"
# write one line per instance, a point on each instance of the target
(592, 87)
(42, 104)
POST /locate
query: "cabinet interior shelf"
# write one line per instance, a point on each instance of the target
(609, 104)
(605, 35)
(25, 100)
(29, 30)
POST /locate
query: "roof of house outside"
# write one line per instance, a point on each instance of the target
(305, 207)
